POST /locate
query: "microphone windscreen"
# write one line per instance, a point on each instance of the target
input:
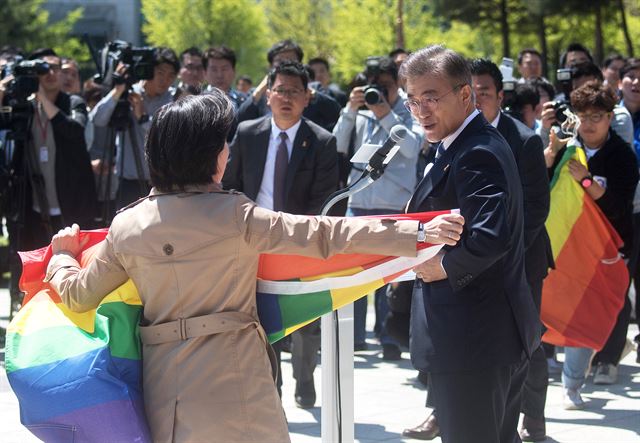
(398, 133)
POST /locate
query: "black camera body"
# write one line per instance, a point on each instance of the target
(25, 79)
(139, 62)
(374, 94)
(560, 106)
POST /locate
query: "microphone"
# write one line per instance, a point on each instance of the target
(379, 160)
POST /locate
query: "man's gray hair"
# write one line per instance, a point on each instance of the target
(438, 61)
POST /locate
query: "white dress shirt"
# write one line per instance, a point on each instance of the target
(265, 195)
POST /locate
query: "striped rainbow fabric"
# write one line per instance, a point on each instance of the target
(78, 376)
(582, 297)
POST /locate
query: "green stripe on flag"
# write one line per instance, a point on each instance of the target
(122, 320)
(49, 345)
(300, 308)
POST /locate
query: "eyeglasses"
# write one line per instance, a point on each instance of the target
(415, 105)
(596, 117)
(194, 67)
(290, 93)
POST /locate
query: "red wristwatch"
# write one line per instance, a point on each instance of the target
(587, 181)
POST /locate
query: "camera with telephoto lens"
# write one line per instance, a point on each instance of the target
(138, 62)
(374, 94)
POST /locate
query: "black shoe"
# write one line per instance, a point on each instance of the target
(423, 377)
(305, 395)
(391, 352)
(427, 430)
(360, 347)
(533, 429)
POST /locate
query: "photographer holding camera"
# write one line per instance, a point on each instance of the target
(580, 74)
(370, 114)
(46, 171)
(144, 97)
(62, 165)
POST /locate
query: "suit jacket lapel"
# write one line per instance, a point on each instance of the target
(441, 166)
(300, 147)
(257, 158)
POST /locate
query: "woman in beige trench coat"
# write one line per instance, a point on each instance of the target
(192, 251)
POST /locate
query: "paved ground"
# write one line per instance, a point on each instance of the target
(388, 398)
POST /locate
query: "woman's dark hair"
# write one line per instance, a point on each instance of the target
(593, 95)
(186, 138)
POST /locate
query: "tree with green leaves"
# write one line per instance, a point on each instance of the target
(238, 24)
(25, 24)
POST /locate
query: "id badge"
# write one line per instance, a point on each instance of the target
(44, 154)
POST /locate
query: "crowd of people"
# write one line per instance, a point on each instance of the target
(290, 138)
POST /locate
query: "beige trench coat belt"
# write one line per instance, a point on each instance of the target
(185, 328)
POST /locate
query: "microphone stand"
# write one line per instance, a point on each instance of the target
(337, 423)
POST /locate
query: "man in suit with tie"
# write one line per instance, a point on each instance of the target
(527, 150)
(473, 323)
(287, 163)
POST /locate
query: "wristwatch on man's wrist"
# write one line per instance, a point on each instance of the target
(144, 118)
(422, 234)
(586, 181)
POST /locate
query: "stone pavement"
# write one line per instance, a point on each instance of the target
(388, 398)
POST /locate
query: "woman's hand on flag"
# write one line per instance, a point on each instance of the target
(68, 240)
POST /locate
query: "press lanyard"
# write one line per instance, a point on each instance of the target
(44, 129)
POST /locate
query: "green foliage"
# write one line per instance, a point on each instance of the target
(25, 24)
(239, 24)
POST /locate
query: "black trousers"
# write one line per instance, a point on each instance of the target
(305, 344)
(534, 392)
(479, 406)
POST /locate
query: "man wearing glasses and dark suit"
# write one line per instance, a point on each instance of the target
(285, 162)
(474, 323)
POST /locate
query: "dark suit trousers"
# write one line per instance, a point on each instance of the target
(534, 392)
(305, 344)
(479, 405)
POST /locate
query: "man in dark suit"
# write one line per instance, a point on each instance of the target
(322, 109)
(527, 150)
(529, 155)
(474, 323)
(286, 163)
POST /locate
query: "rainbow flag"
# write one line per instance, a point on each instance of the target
(78, 376)
(582, 296)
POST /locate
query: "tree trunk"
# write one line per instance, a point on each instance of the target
(598, 34)
(400, 25)
(504, 25)
(625, 29)
(542, 41)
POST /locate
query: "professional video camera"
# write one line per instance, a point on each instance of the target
(137, 61)
(25, 82)
(373, 92)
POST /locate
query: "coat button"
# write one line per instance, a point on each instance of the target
(168, 249)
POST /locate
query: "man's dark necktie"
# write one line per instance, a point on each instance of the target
(280, 173)
(440, 151)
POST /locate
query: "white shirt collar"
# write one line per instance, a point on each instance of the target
(291, 132)
(446, 142)
(496, 120)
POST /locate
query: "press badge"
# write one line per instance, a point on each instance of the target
(44, 154)
(602, 181)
